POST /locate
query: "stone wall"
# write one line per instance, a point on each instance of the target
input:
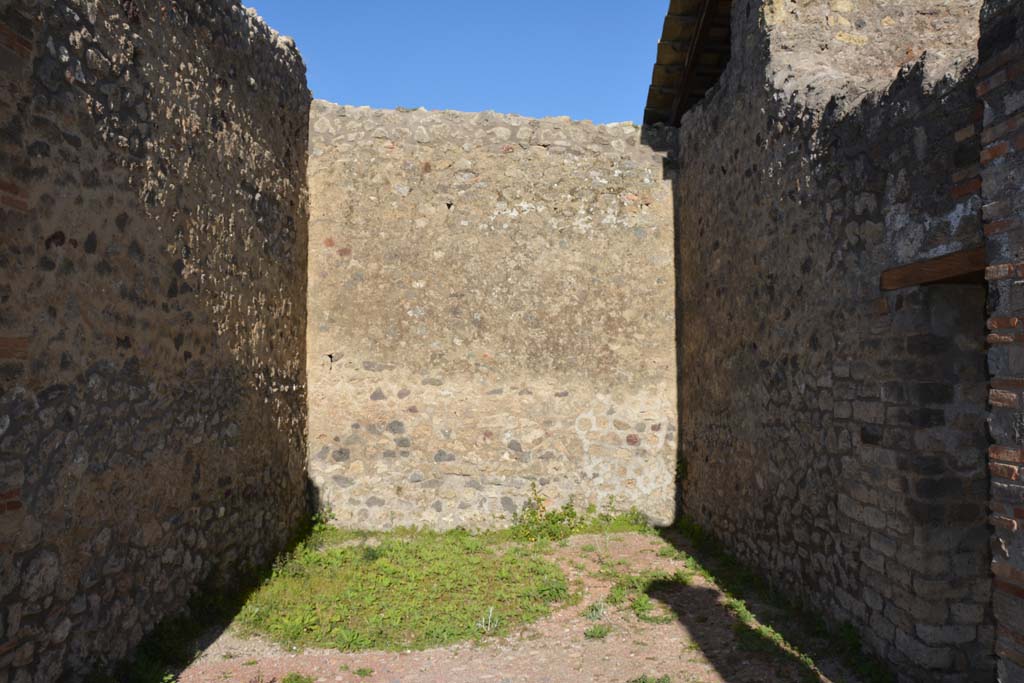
(833, 434)
(491, 309)
(1001, 134)
(152, 314)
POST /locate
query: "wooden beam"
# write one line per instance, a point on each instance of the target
(958, 266)
(703, 24)
(678, 28)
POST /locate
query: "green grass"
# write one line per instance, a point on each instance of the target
(363, 672)
(650, 679)
(409, 591)
(296, 678)
(597, 631)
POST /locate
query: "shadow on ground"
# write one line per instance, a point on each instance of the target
(756, 620)
(730, 646)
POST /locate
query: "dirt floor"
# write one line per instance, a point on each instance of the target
(700, 643)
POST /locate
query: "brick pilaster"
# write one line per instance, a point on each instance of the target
(1001, 162)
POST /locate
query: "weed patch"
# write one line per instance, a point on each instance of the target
(536, 522)
(408, 591)
(597, 631)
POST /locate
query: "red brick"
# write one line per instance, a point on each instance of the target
(966, 173)
(8, 495)
(1006, 454)
(995, 151)
(1005, 586)
(14, 347)
(1009, 383)
(996, 227)
(997, 61)
(1000, 271)
(18, 43)
(1002, 323)
(966, 188)
(1005, 631)
(965, 133)
(1003, 338)
(1003, 522)
(1003, 399)
(994, 210)
(1007, 653)
(978, 115)
(14, 203)
(991, 83)
(1011, 472)
(1001, 129)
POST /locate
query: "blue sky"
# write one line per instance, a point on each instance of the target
(588, 59)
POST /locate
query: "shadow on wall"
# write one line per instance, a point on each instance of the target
(177, 641)
(832, 435)
(154, 278)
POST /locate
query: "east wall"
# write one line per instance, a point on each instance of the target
(833, 434)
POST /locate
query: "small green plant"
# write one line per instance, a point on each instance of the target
(363, 672)
(595, 611)
(296, 678)
(643, 608)
(632, 588)
(535, 522)
(488, 624)
(617, 595)
(650, 679)
(597, 631)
